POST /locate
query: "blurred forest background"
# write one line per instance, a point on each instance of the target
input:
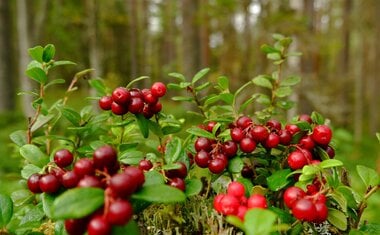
(125, 39)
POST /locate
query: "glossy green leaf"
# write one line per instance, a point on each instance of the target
(143, 124)
(193, 187)
(72, 116)
(32, 216)
(36, 53)
(263, 99)
(304, 126)
(47, 203)
(337, 219)
(340, 199)
(203, 86)
(37, 74)
(131, 157)
(183, 98)
(369, 176)
(153, 177)
(317, 118)
(378, 136)
(211, 99)
(285, 104)
(329, 163)
(62, 62)
(48, 53)
(223, 83)
(34, 155)
(22, 196)
(290, 81)
(29, 169)
(227, 98)
(41, 121)
(6, 210)
(199, 75)
(310, 169)
(173, 150)
(235, 165)
(131, 228)
(200, 132)
(98, 85)
(350, 195)
(55, 82)
(18, 137)
(179, 76)
(259, 221)
(263, 81)
(235, 221)
(278, 179)
(160, 194)
(283, 91)
(269, 49)
(77, 203)
(274, 56)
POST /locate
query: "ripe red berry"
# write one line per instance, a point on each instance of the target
(229, 205)
(180, 172)
(216, 202)
(306, 142)
(230, 148)
(236, 189)
(304, 209)
(242, 210)
(257, 201)
(322, 212)
(237, 134)
(84, 166)
(274, 125)
(330, 151)
(98, 226)
(33, 183)
(202, 158)
(292, 128)
(247, 145)
(118, 109)
(70, 179)
(105, 102)
(244, 122)
(158, 89)
(119, 212)
(136, 105)
(123, 185)
(259, 133)
(272, 141)
(121, 96)
(76, 226)
(293, 194)
(136, 92)
(202, 143)
(305, 118)
(63, 158)
(285, 137)
(149, 98)
(217, 165)
(155, 108)
(137, 175)
(104, 157)
(247, 172)
(297, 160)
(145, 165)
(322, 134)
(89, 181)
(177, 183)
(210, 126)
(49, 183)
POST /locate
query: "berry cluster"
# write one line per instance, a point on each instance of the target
(306, 206)
(145, 101)
(104, 171)
(234, 202)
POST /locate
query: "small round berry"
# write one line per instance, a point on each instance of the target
(76, 226)
(105, 102)
(121, 96)
(229, 205)
(149, 98)
(293, 194)
(216, 202)
(236, 189)
(330, 151)
(137, 175)
(274, 125)
(70, 179)
(247, 172)
(322, 134)
(257, 201)
(177, 183)
(145, 165)
(119, 212)
(242, 210)
(104, 157)
(49, 183)
(230, 148)
(180, 172)
(123, 185)
(259, 133)
(210, 126)
(244, 122)
(217, 165)
(306, 142)
(297, 160)
(136, 92)
(304, 209)
(285, 137)
(118, 109)
(292, 128)
(98, 226)
(202, 158)
(322, 212)
(84, 166)
(33, 183)
(158, 89)
(89, 181)
(155, 108)
(63, 158)
(202, 143)
(237, 134)
(305, 118)
(272, 141)
(247, 145)
(136, 105)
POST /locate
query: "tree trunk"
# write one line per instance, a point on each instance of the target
(6, 76)
(23, 58)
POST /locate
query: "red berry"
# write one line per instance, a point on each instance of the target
(292, 128)
(123, 185)
(136, 92)
(89, 181)
(136, 105)
(137, 175)
(321, 198)
(98, 226)
(237, 134)
(322, 212)
(105, 102)
(76, 226)
(33, 183)
(49, 183)
(297, 160)
(177, 183)
(119, 212)
(158, 89)
(84, 166)
(121, 96)
(202, 158)
(305, 118)
(155, 108)
(293, 194)
(180, 172)
(257, 201)
(304, 209)
(118, 109)
(236, 189)
(202, 143)
(242, 210)
(259, 133)
(306, 142)
(274, 125)
(322, 134)
(247, 145)
(247, 172)
(217, 165)
(149, 98)
(145, 165)
(63, 158)
(229, 205)
(210, 126)
(244, 122)
(230, 148)
(330, 151)
(104, 157)
(285, 137)
(216, 203)
(70, 179)
(272, 141)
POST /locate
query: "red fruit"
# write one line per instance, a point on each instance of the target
(89, 181)
(285, 137)
(149, 98)
(118, 109)
(304, 209)
(177, 183)
(257, 201)
(247, 172)
(49, 183)
(259, 133)
(137, 175)
(305, 118)
(217, 165)
(33, 183)
(272, 141)
(322, 134)
(273, 125)
(84, 166)
(292, 128)
(322, 212)
(244, 122)
(202, 143)
(180, 172)
(121, 96)
(158, 89)
(147, 112)
(306, 142)
(135, 92)
(216, 202)
(247, 145)
(63, 158)
(236, 189)
(229, 205)
(98, 226)
(70, 179)
(123, 185)
(105, 102)
(155, 108)
(297, 160)
(136, 105)
(293, 194)
(242, 210)
(330, 151)
(202, 158)
(119, 212)
(57, 172)
(145, 165)
(237, 134)
(230, 148)
(104, 157)
(321, 198)
(312, 189)
(210, 126)
(76, 226)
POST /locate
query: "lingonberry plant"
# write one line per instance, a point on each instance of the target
(131, 167)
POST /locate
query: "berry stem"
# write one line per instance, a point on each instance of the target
(363, 204)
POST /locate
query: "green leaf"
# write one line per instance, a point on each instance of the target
(98, 85)
(283, 91)
(274, 56)
(62, 62)
(228, 98)
(47, 203)
(34, 155)
(317, 118)
(28, 170)
(34, 215)
(337, 219)
(6, 210)
(160, 194)
(285, 104)
(235, 221)
(369, 176)
(182, 98)
(378, 136)
(37, 74)
(41, 121)
(310, 170)
(290, 81)
(259, 221)
(263, 99)
(173, 150)
(350, 195)
(48, 53)
(72, 116)
(193, 187)
(199, 75)
(223, 83)
(203, 86)
(304, 126)
(278, 179)
(22, 196)
(269, 49)
(18, 137)
(77, 203)
(36, 53)
(329, 163)
(340, 199)
(131, 229)
(55, 82)
(179, 76)
(235, 165)
(200, 132)
(153, 177)
(263, 81)
(143, 124)
(371, 228)
(131, 157)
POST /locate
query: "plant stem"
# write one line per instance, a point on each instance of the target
(363, 204)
